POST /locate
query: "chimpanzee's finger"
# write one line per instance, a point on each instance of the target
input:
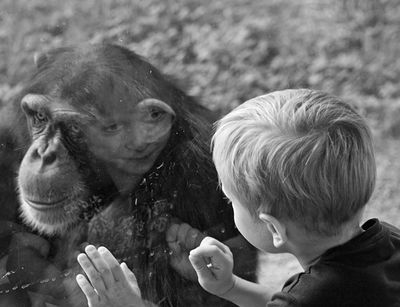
(27, 239)
(172, 233)
(193, 238)
(184, 228)
(9, 228)
(172, 240)
(100, 265)
(94, 276)
(87, 289)
(112, 263)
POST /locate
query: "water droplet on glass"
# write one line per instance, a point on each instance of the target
(67, 273)
(8, 274)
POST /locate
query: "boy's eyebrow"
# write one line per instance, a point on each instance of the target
(92, 115)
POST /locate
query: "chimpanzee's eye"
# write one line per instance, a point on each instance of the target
(156, 113)
(74, 128)
(39, 118)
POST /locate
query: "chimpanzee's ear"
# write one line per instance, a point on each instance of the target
(156, 103)
(40, 58)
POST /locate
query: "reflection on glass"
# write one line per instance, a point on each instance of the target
(108, 152)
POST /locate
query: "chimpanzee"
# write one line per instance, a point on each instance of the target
(107, 150)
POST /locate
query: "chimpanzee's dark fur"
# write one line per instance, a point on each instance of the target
(182, 184)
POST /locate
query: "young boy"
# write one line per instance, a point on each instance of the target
(298, 166)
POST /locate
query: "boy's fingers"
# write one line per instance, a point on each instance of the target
(100, 265)
(91, 272)
(112, 263)
(211, 241)
(200, 266)
(128, 273)
(202, 257)
(131, 278)
(87, 288)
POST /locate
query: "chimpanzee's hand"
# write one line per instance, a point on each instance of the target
(29, 266)
(108, 283)
(182, 238)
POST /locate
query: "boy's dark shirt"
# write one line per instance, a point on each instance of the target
(365, 272)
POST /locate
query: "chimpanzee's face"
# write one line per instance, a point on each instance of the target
(57, 173)
(52, 181)
(93, 125)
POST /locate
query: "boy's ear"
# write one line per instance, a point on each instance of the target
(276, 228)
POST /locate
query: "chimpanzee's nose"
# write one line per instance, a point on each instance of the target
(47, 153)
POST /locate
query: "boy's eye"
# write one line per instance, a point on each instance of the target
(112, 127)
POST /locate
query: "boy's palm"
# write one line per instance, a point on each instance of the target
(108, 283)
(120, 294)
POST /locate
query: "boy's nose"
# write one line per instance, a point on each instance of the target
(136, 142)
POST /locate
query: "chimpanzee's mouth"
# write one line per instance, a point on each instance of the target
(48, 205)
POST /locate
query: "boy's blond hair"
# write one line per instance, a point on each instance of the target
(301, 155)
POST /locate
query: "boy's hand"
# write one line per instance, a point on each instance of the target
(110, 284)
(182, 238)
(213, 262)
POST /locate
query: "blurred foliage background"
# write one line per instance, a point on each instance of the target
(227, 51)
